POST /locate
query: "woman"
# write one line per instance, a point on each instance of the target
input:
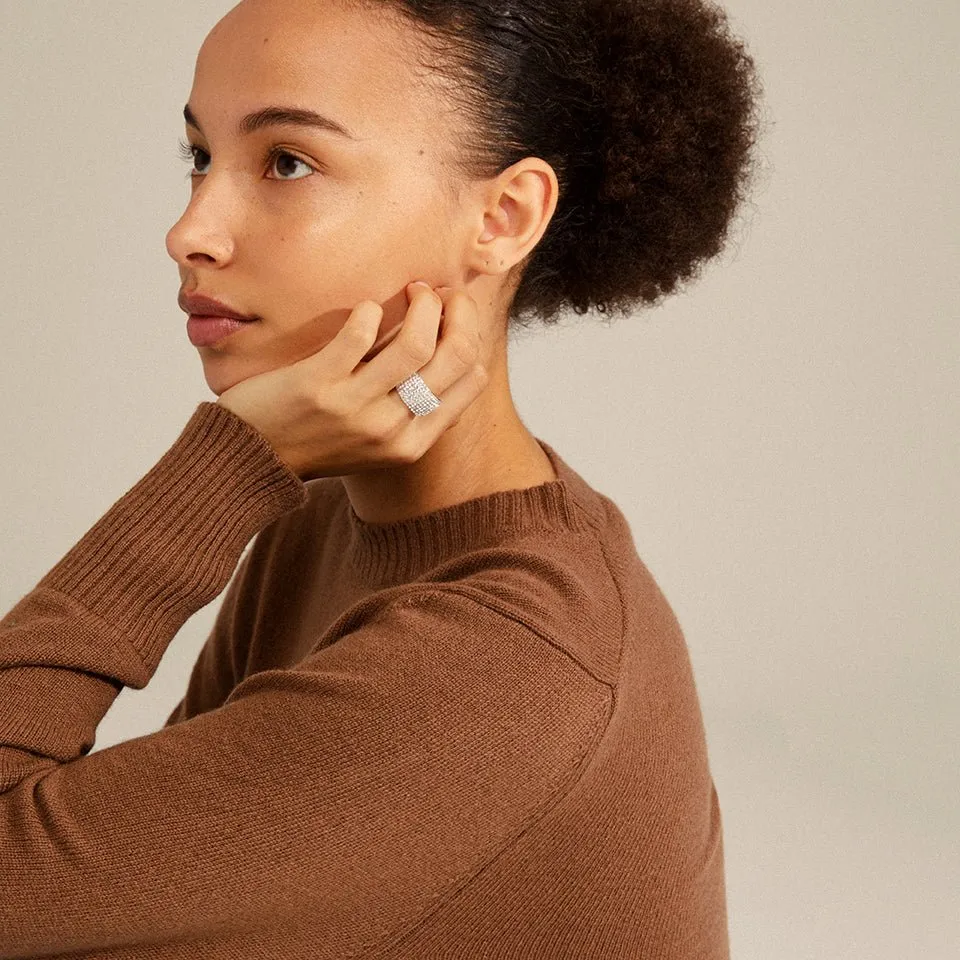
(445, 710)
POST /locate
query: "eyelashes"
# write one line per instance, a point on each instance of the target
(188, 153)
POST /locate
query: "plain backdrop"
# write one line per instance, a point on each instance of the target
(782, 436)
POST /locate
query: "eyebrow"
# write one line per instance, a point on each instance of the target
(280, 116)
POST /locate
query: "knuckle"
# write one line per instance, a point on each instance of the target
(384, 431)
(309, 396)
(460, 300)
(481, 374)
(310, 400)
(410, 449)
(418, 350)
(358, 335)
(332, 407)
(465, 349)
(363, 314)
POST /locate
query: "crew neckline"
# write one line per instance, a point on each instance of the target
(399, 551)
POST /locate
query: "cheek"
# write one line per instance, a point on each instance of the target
(323, 262)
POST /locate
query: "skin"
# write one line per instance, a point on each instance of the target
(300, 238)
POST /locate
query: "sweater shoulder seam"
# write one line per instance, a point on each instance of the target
(492, 603)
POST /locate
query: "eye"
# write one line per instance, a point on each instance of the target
(190, 152)
(284, 155)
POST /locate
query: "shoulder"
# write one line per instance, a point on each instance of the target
(444, 649)
(557, 583)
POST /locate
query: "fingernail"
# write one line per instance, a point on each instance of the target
(422, 283)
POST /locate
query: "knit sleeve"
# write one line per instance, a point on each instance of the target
(356, 790)
(218, 667)
(103, 617)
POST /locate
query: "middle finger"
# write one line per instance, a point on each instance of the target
(409, 350)
(460, 347)
(417, 347)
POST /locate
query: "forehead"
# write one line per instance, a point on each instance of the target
(343, 61)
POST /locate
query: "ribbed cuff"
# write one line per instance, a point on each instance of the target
(169, 546)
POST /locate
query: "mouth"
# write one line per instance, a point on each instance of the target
(204, 308)
(205, 331)
(210, 318)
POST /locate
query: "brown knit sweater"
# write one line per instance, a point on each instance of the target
(474, 734)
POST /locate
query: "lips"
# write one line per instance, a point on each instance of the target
(200, 306)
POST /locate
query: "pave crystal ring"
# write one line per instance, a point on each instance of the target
(421, 401)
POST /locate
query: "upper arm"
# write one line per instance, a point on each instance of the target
(357, 789)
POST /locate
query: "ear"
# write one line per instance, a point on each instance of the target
(519, 206)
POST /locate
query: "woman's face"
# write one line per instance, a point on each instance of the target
(297, 225)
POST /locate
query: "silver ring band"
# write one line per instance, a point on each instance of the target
(421, 401)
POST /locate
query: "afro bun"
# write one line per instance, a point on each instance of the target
(645, 109)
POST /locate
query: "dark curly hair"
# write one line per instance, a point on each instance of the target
(645, 109)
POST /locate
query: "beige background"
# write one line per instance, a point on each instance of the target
(783, 437)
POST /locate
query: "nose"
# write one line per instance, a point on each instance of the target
(201, 235)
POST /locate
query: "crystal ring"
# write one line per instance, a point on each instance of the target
(421, 401)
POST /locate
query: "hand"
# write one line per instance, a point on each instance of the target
(333, 414)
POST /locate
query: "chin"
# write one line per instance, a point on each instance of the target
(219, 380)
(223, 370)
(217, 390)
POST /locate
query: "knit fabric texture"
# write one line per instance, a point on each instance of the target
(471, 734)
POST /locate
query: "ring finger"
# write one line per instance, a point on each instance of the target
(452, 374)
(450, 315)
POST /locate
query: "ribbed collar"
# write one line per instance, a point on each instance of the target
(398, 552)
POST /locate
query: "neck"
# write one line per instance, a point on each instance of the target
(489, 450)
